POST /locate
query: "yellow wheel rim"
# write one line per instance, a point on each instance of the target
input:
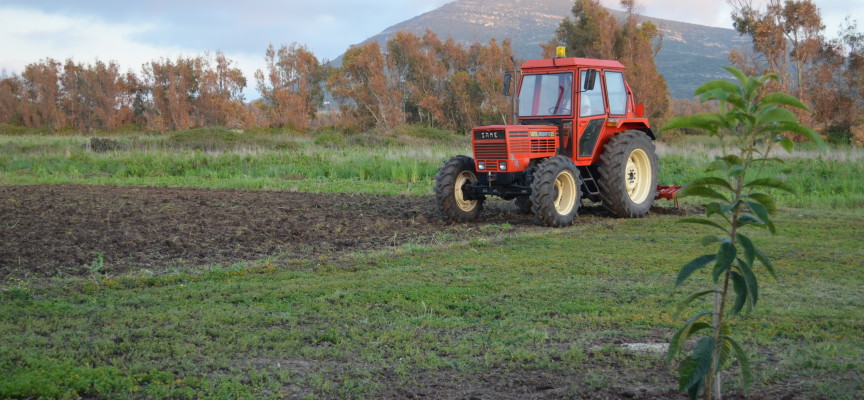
(637, 176)
(565, 187)
(462, 179)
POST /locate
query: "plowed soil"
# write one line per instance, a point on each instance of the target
(63, 230)
(49, 231)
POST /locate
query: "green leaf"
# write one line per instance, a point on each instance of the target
(770, 76)
(685, 371)
(701, 191)
(749, 249)
(725, 352)
(743, 361)
(762, 213)
(766, 262)
(713, 208)
(786, 143)
(693, 265)
(750, 88)
(747, 219)
(717, 165)
(712, 181)
(740, 287)
(750, 280)
(770, 183)
(764, 200)
(717, 94)
(725, 257)
(702, 221)
(745, 119)
(680, 337)
(708, 239)
(732, 159)
(805, 131)
(706, 121)
(783, 99)
(794, 127)
(736, 171)
(737, 72)
(702, 354)
(774, 115)
(712, 86)
(690, 299)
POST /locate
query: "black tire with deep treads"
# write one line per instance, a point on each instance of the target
(612, 180)
(445, 190)
(544, 192)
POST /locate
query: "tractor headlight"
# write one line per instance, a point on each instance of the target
(481, 165)
(502, 166)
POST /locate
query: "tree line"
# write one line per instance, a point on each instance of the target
(166, 95)
(414, 80)
(422, 79)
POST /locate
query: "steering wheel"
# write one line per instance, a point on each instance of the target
(561, 111)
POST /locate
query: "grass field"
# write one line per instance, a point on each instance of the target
(332, 162)
(546, 312)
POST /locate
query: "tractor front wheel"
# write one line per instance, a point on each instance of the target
(555, 194)
(451, 178)
(628, 174)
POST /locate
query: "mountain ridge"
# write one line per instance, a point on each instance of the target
(690, 53)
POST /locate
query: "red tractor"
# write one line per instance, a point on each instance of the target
(579, 134)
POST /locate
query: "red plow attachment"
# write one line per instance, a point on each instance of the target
(668, 192)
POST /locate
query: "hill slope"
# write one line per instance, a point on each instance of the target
(690, 55)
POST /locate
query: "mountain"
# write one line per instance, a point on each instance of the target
(690, 55)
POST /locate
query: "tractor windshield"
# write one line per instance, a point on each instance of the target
(546, 94)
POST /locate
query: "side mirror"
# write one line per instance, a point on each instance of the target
(590, 78)
(507, 79)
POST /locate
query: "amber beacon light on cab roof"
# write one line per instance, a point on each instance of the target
(578, 134)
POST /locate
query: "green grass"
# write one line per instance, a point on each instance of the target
(371, 162)
(557, 302)
(226, 159)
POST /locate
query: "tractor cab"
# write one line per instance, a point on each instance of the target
(578, 133)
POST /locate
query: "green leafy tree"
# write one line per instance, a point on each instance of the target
(750, 125)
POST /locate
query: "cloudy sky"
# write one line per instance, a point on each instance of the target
(134, 32)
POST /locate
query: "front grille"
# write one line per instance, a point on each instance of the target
(542, 145)
(490, 151)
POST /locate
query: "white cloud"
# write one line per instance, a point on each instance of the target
(27, 36)
(30, 35)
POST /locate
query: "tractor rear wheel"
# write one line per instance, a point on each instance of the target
(555, 195)
(628, 174)
(452, 176)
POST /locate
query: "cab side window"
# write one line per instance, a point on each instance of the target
(617, 93)
(591, 102)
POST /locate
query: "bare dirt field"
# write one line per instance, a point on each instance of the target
(62, 230)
